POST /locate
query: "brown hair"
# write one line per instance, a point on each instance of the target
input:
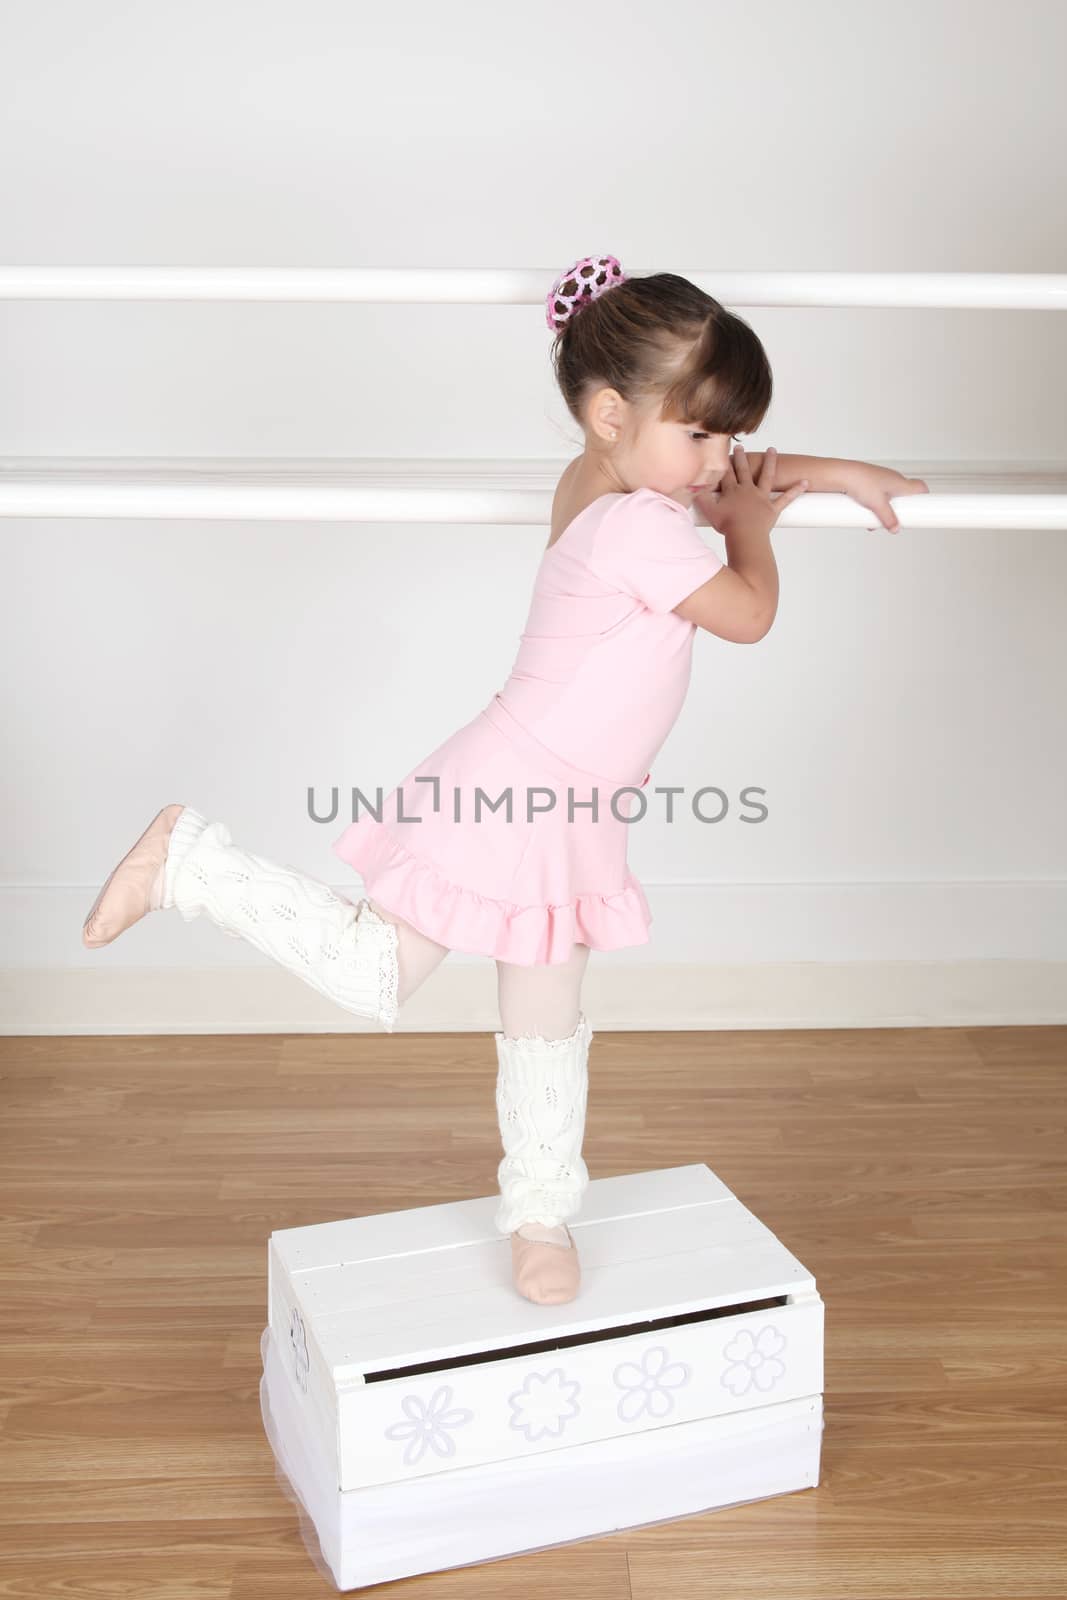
(661, 336)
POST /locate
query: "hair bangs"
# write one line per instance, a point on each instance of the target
(725, 385)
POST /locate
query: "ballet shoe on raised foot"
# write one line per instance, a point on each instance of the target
(545, 1271)
(134, 888)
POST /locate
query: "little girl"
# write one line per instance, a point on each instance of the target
(509, 840)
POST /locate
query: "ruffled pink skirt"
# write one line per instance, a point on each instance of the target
(447, 857)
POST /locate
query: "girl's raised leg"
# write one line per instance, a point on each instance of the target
(345, 950)
(417, 955)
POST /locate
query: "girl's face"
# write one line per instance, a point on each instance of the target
(677, 458)
(648, 452)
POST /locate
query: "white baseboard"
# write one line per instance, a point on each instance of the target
(722, 955)
(460, 997)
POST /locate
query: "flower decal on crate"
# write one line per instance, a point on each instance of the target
(754, 1360)
(427, 1427)
(647, 1382)
(299, 1345)
(544, 1404)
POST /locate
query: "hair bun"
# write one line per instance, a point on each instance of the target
(589, 277)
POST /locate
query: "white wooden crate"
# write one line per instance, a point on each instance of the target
(428, 1416)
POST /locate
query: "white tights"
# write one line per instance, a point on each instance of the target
(543, 1000)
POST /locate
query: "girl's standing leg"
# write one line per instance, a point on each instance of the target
(541, 1095)
(542, 1000)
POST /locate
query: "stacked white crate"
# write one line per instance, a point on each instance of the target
(428, 1416)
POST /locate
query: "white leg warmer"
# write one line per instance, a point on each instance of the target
(541, 1091)
(341, 949)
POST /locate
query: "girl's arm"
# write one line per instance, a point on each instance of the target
(825, 474)
(870, 485)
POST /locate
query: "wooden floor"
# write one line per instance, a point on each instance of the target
(918, 1173)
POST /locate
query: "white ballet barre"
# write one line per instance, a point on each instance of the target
(984, 291)
(230, 492)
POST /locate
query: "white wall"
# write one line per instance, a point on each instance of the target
(905, 716)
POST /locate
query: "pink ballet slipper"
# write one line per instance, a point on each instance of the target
(546, 1273)
(126, 896)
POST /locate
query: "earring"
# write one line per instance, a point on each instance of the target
(613, 433)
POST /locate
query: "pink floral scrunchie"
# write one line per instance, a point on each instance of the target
(584, 281)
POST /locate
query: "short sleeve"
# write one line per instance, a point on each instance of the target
(647, 547)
